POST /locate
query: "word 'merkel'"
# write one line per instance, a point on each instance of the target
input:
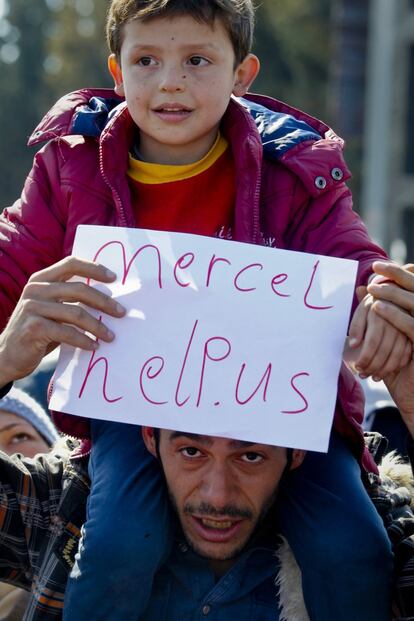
(244, 280)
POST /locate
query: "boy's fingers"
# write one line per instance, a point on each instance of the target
(373, 346)
(73, 292)
(359, 323)
(361, 292)
(72, 266)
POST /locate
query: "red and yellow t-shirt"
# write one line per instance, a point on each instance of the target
(191, 198)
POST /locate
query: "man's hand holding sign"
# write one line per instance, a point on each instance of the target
(222, 338)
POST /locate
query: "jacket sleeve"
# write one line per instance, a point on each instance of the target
(30, 492)
(328, 225)
(33, 229)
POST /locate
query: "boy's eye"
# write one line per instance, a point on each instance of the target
(190, 451)
(198, 61)
(252, 458)
(146, 61)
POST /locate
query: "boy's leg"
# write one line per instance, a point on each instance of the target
(337, 537)
(128, 529)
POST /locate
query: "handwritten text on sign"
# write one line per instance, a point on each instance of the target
(221, 338)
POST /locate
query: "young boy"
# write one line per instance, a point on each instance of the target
(182, 154)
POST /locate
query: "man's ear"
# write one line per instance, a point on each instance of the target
(149, 440)
(116, 72)
(245, 75)
(298, 455)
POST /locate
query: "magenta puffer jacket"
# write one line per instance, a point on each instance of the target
(291, 194)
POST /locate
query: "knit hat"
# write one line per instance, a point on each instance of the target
(20, 403)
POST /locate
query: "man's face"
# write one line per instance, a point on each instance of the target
(220, 488)
(177, 76)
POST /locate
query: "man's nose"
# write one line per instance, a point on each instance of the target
(172, 79)
(218, 487)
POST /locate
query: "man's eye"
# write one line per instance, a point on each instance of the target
(146, 61)
(198, 61)
(190, 451)
(252, 458)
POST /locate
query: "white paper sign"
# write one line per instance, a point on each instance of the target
(221, 338)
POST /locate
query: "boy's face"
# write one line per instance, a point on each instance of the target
(177, 76)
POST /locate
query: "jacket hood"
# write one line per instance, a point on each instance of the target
(281, 127)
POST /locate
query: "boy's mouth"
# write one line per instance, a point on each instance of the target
(172, 111)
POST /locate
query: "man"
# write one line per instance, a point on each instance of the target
(224, 491)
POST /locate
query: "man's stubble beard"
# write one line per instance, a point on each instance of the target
(231, 511)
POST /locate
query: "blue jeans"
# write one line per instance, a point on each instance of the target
(337, 538)
(128, 530)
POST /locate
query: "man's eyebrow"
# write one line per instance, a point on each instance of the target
(242, 444)
(202, 439)
(208, 441)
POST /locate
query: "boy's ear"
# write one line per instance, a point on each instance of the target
(149, 439)
(246, 72)
(116, 72)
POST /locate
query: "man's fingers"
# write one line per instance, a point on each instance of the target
(397, 358)
(395, 316)
(390, 292)
(72, 266)
(73, 292)
(60, 333)
(71, 314)
(402, 275)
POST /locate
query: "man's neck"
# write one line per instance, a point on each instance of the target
(219, 568)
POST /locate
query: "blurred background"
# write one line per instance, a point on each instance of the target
(349, 62)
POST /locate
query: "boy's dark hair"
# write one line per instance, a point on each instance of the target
(237, 17)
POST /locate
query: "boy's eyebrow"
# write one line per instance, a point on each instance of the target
(185, 46)
(208, 441)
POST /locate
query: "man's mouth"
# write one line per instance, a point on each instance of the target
(220, 525)
(216, 531)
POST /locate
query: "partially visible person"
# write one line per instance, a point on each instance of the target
(25, 428)
(395, 303)
(382, 415)
(24, 425)
(37, 383)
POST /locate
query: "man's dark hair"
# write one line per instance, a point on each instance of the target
(237, 16)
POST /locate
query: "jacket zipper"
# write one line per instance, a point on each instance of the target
(115, 193)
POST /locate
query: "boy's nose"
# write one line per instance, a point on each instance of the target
(172, 80)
